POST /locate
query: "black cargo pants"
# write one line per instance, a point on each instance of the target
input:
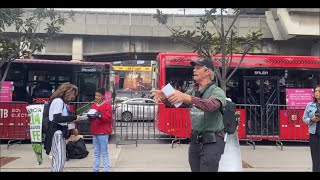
(205, 157)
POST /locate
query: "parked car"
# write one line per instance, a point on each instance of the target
(138, 109)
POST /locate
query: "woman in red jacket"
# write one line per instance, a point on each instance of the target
(101, 127)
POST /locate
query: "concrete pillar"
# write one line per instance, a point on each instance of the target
(77, 49)
(315, 49)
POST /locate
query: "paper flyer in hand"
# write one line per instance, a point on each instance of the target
(167, 90)
(91, 112)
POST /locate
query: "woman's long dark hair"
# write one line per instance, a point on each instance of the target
(314, 97)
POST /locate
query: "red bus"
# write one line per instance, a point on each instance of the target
(259, 88)
(34, 81)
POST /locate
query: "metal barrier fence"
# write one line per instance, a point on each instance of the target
(251, 125)
(289, 122)
(14, 122)
(135, 122)
(78, 108)
(149, 121)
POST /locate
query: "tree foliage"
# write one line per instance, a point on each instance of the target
(30, 32)
(223, 41)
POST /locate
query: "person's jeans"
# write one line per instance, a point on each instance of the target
(314, 142)
(100, 146)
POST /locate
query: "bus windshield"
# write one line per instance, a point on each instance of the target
(34, 81)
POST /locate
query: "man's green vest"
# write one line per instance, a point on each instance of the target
(205, 121)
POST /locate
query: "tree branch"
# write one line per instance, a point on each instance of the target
(217, 27)
(223, 47)
(218, 73)
(234, 20)
(5, 72)
(182, 39)
(222, 24)
(231, 51)
(242, 58)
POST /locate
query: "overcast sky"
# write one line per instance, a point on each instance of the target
(144, 10)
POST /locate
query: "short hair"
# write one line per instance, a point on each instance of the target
(101, 91)
(212, 74)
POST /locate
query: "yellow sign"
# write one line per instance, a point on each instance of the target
(132, 68)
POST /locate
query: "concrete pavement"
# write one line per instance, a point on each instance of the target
(161, 157)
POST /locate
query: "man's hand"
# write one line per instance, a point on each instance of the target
(158, 95)
(178, 96)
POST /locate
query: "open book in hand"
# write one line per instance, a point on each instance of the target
(167, 90)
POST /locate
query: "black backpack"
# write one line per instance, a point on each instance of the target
(230, 120)
(45, 118)
(76, 149)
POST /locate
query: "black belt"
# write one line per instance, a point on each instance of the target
(205, 137)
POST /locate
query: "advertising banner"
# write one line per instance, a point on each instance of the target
(6, 91)
(299, 97)
(36, 112)
(137, 81)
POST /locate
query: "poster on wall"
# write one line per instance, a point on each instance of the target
(137, 81)
(298, 98)
(6, 91)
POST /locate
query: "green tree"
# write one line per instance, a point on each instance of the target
(29, 35)
(224, 41)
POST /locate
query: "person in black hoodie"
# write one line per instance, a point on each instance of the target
(61, 122)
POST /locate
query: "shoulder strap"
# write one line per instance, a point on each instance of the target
(221, 111)
(221, 108)
(206, 88)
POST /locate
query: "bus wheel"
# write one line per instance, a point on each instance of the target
(126, 116)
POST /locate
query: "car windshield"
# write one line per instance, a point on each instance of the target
(138, 101)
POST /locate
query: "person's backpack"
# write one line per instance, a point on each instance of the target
(76, 149)
(230, 120)
(45, 117)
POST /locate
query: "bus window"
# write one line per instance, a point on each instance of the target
(179, 78)
(20, 93)
(42, 77)
(43, 83)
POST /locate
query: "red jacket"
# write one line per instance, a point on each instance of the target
(102, 125)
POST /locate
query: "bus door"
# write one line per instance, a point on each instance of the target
(261, 90)
(87, 84)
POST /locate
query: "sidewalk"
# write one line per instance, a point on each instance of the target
(161, 157)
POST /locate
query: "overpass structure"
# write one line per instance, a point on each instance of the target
(105, 36)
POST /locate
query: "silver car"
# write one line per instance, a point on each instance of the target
(138, 109)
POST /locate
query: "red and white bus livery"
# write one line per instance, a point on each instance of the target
(262, 88)
(34, 80)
